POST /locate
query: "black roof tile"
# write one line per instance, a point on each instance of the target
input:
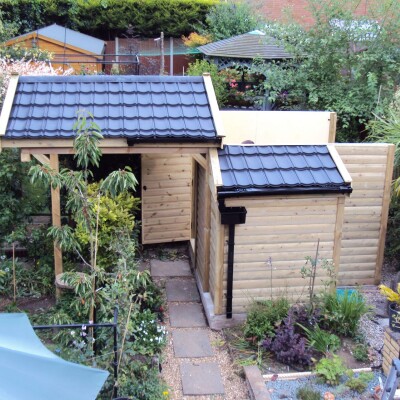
(249, 170)
(135, 107)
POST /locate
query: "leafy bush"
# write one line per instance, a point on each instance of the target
(106, 19)
(330, 369)
(306, 393)
(321, 340)
(341, 314)
(360, 383)
(199, 67)
(263, 316)
(289, 347)
(360, 352)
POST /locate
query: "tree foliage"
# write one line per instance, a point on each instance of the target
(106, 19)
(231, 18)
(343, 63)
(199, 67)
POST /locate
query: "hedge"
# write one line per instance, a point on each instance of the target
(106, 19)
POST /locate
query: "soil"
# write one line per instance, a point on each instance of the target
(28, 304)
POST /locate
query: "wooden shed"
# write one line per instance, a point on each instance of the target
(250, 213)
(71, 49)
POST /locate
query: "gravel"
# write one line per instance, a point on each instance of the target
(286, 389)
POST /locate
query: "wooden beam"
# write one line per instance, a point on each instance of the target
(219, 273)
(7, 106)
(337, 244)
(201, 160)
(25, 157)
(385, 212)
(339, 163)
(212, 99)
(215, 167)
(332, 127)
(207, 227)
(42, 158)
(56, 216)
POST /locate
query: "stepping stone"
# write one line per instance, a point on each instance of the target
(187, 316)
(170, 268)
(201, 379)
(191, 344)
(182, 290)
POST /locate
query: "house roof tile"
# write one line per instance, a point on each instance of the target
(133, 107)
(249, 170)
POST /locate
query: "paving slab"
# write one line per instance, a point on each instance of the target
(143, 266)
(170, 268)
(201, 379)
(191, 344)
(187, 316)
(182, 290)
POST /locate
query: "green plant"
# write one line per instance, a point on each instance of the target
(231, 18)
(263, 316)
(360, 352)
(306, 393)
(360, 383)
(342, 62)
(199, 67)
(341, 314)
(320, 340)
(330, 369)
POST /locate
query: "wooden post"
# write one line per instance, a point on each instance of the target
(206, 279)
(385, 212)
(56, 217)
(337, 244)
(332, 127)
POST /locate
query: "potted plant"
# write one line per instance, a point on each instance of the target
(394, 306)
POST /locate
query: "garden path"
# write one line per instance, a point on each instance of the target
(196, 364)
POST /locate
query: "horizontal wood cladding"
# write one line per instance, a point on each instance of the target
(270, 248)
(364, 212)
(166, 198)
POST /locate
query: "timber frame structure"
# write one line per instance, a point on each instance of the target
(250, 213)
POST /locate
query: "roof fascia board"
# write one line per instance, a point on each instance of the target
(215, 167)
(212, 99)
(339, 163)
(23, 38)
(7, 105)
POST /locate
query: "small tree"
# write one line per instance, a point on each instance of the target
(84, 203)
(229, 19)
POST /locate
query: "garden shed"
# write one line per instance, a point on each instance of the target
(260, 208)
(71, 49)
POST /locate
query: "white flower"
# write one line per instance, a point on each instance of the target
(73, 333)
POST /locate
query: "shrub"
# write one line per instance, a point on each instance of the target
(330, 369)
(199, 67)
(263, 316)
(360, 352)
(360, 383)
(306, 393)
(321, 340)
(289, 347)
(341, 314)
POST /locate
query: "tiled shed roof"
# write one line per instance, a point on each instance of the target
(248, 170)
(141, 108)
(249, 45)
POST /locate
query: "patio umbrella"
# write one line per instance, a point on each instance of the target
(28, 370)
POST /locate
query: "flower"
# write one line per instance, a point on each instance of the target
(72, 333)
(390, 294)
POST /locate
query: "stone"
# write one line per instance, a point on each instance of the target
(201, 379)
(187, 316)
(191, 344)
(170, 268)
(182, 290)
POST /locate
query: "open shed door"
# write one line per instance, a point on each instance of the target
(166, 198)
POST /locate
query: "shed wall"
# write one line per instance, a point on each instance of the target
(365, 216)
(270, 248)
(166, 198)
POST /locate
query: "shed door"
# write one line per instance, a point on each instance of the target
(166, 198)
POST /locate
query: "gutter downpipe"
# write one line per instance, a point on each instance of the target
(231, 216)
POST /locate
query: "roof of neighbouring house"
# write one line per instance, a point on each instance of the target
(67, 36)
(252, 170)
(139, 108)
(249, 45)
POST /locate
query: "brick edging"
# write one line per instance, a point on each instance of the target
(255, 383)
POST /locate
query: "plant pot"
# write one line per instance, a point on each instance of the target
(394, 317)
